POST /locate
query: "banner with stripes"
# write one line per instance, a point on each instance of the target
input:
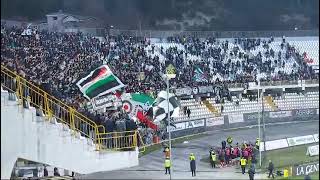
(99, 82)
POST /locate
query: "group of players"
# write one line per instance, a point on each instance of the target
(229, 154)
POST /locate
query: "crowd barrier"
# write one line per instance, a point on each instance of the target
(241, 120)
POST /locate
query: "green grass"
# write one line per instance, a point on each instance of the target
(314, 176)
(179, 140)
(283, 158)
(289, 156)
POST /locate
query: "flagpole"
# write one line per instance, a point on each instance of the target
(170, 74)
(169, 129)
(259, 125)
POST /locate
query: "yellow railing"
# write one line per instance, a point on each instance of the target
(52, 107)
(116, 140)
(127, 140)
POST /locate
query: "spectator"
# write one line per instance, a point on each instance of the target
(56, 61)
(192, 164)
(307, 177)
(251, 172)
(45, 171)
(271, 169)
(188, 112)
(185, 110)
(222, 157)
(56, 172)
(223, 144)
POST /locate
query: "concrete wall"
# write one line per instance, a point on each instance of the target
(26, 136)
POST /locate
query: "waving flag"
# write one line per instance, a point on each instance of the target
(199, 75)
(99, 82)
(161, 109)
(131, 103)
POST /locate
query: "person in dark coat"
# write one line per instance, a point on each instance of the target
(45, 171)
(307, 177)
(188, 112)
(185, 110)
(270, 169)
(56, 172)
(251, 172)
(192, 159)
(223, 144)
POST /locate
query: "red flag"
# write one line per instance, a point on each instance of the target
(143, 119)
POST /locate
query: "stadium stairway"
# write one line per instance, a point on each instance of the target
(210, 107)
(27, 136)
(271, 103)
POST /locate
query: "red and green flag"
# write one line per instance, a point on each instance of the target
(99, 82)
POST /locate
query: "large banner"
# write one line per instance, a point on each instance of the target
(300, 140)
(305, 169)
(195, 123)
(187, 91)
(275, 144)
(305, 112)
(179, 126)
(99, 82)
(183, 91)
(280, 114)
(215, 121)
(235, 118)
(313, 150)
(104, 101)
(252, 116)
(187, 125)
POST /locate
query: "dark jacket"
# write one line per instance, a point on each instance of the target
(109, 125)
(223, 144)
(251, 173)
(45, 172)
(193, 165)
(271, 166)
(307, 177)
(56, 172)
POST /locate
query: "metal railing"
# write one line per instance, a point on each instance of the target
(112, 141)
(51, 107)
(127, 140)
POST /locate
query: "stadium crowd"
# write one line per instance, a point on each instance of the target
(56, 61)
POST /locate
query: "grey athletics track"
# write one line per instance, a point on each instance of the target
(151, 165)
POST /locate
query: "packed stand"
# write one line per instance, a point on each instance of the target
(56, 61)
(237, 60)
